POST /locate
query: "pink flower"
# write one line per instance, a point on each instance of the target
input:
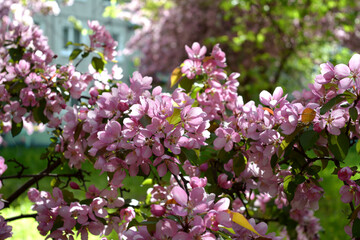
(272, 100)
(347, 194)
(196, 52)
(166, 229)
(3, 166)
(219, 56)
(223, 181)
(166, 162)
(226, 138)
(191, 68)
(5, 230)
(138, 83)
(342, 73)
(192, 117)
(333, 121)
(113, 201)
(197, 201)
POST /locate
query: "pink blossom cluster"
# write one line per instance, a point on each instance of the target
(130, 128)
(199, 215)
(137, 125)
(246, 154)
(101, 38)
(57, 217)
(5, 230)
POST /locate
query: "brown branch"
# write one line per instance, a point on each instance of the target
(33, 215)
(43, 175)
(32, 181)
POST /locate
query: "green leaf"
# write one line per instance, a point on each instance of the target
(69, 43)
(16, 54)
(98, 64)
(16, 128)
(353, 113)
(17, 86)
(290, 184)
(175, 76)
(186, 84)
(38, 113)
(195, 90)
(191, 155)
(327, 106)
(145, 120)
(68, 196)
(274, 161)
(74, 54)
(358, 147)
(339, 146)
(147, 181)
(224, 156)
(242, 221)
(308, 139)
(58, 223)
(86, 201)
(175, 117)
(239, 164)
(287, 140)
(85, 54)
(313, 170)
(55, 182)
(356, 228)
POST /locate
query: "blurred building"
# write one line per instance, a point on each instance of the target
(66, 27)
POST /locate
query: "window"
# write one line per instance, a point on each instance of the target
(66, 38)
(77, 35)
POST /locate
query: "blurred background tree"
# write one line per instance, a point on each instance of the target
(269, 42)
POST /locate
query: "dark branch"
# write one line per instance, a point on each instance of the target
(42, 175)
(21, 216)
(32, 181)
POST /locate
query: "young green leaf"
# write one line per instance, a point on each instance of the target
(175, 76)
(353, 113)
(74, 54)
(308, 139)
(98, 64)
(16, 128)
(327, 106)
(339, 146)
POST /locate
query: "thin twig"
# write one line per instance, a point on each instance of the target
(33, 215)
(43, 175)
(32, 181)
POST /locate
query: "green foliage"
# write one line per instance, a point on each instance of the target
(339, 146)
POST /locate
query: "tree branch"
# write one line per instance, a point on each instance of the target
(33, 180)
(43, 175)
(33, 215)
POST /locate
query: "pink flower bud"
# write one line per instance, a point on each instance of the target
(203, 167)
(345, 173)
(74, 185)
(157, 210)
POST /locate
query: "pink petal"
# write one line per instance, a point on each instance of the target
(179, 195)
(219, 143)
(222, 205)
(162, 169)
(278, 92)
(354, 63)
(341, 71)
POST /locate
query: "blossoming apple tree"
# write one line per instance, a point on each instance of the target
(220, 168)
